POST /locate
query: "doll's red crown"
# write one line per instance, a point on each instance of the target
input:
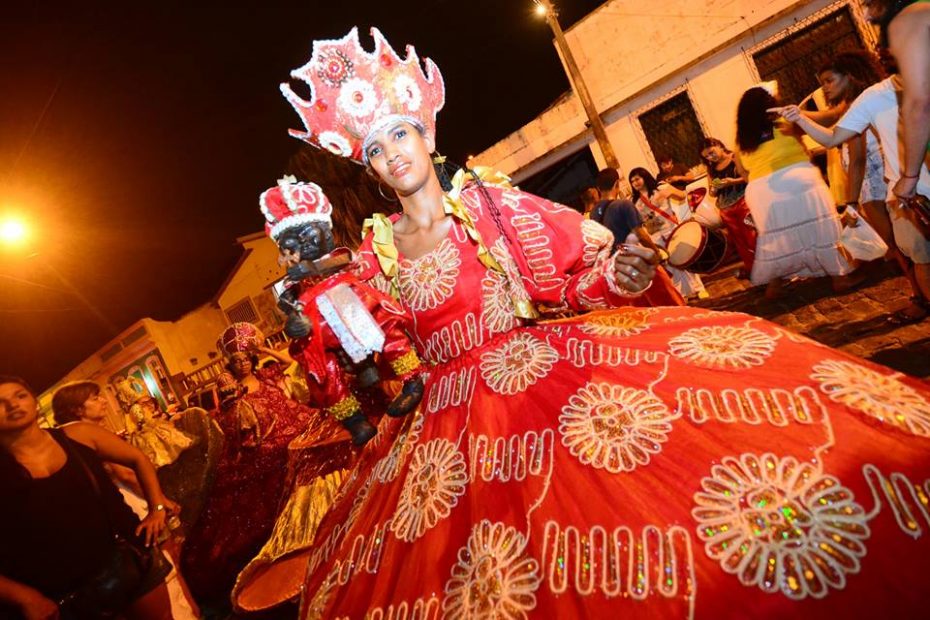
(291, 203)
(354, 93)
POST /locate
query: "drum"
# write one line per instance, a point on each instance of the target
(703, 211)
(696, 248)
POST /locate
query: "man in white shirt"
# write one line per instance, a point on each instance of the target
(878, 107)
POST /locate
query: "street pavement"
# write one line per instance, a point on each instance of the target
(854, 322)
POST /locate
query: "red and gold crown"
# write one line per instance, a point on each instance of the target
(292, 203)
(240, 337)
(354, 93)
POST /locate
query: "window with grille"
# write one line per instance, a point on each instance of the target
(242, 311)
(672, 128)
(794, 60)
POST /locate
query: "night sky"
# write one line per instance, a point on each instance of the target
(136, 137)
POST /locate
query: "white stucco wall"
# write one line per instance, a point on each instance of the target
(632, 54)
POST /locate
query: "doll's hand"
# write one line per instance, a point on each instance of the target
(297, 326)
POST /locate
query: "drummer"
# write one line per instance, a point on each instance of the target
(653, 201)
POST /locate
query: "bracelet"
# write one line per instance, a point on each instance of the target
(910, 176)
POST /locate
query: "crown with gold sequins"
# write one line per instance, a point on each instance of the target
(354, 93)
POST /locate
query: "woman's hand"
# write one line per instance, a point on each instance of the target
(634, 265)
(156, 521)
(790, 113)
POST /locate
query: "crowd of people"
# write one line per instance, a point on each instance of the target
(506, 409)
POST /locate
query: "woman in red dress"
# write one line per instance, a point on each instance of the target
(627, 462)
(252, 481)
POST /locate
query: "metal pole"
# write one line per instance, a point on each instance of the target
(577, 81)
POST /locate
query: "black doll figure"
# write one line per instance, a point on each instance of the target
(332, 317)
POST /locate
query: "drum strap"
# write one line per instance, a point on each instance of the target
(670, 218)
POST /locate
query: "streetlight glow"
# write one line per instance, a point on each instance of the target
(13, 231)
(541, 9)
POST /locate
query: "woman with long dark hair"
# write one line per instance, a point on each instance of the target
(728, 186)
(618, 461)
(68, 542)
(794, 213)
(660, 217)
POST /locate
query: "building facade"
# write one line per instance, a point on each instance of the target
(667, 73)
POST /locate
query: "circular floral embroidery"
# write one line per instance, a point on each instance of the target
(493, 577)
(616, 323)
(780, 524)
(334, 68)
(407, 92)
(428, 281)
(435, 481)
(496, 306)
(723, 347)
(517, 364)
(316, 608)
(389, 467)
(883, 397)
(357, 97)
(614, 427)
(335, 143)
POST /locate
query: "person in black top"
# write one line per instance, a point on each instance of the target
(619, 215)
(61, 513)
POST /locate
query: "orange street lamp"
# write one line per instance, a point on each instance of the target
(545, 9)
(13, 231)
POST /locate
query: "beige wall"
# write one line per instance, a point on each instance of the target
(633, 54)
(193, 336)
(255, 274)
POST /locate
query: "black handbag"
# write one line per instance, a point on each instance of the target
(108, 592)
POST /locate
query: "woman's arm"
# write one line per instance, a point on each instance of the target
(822, 135)
(282, 356)
(856, 172)
(32, 604)
(111, 448)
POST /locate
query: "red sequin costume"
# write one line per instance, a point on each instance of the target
(248, 492)
(625, 463)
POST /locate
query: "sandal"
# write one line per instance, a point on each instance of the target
(905, 316)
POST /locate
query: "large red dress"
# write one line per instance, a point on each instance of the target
(629, 463)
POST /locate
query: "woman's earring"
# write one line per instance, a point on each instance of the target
(388, 198)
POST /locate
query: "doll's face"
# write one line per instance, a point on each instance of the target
(305, 242)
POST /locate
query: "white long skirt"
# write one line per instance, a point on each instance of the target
(799, 230)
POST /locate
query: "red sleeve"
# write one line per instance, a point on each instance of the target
(564, 260)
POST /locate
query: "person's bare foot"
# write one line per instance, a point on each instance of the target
(843, 284)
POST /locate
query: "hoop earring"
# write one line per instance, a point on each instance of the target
(388, 198)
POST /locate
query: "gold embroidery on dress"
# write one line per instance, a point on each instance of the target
(724, 347)
(451, 389)
(497, 312)
(582, 353)
(422, 609)
(619, 323)
(386, 469)
(537, 248)
(618, 563)
(904, 497)
(518, 363)
(780, 524)
(883, 397)
(436, 478)
(614, 427)
(777, 406)
(598, 241)
(428, 281)
(364, 556)
(504, 459)
(494, 577)
(453, 340)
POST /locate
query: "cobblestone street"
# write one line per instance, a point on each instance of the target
(854, 322)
